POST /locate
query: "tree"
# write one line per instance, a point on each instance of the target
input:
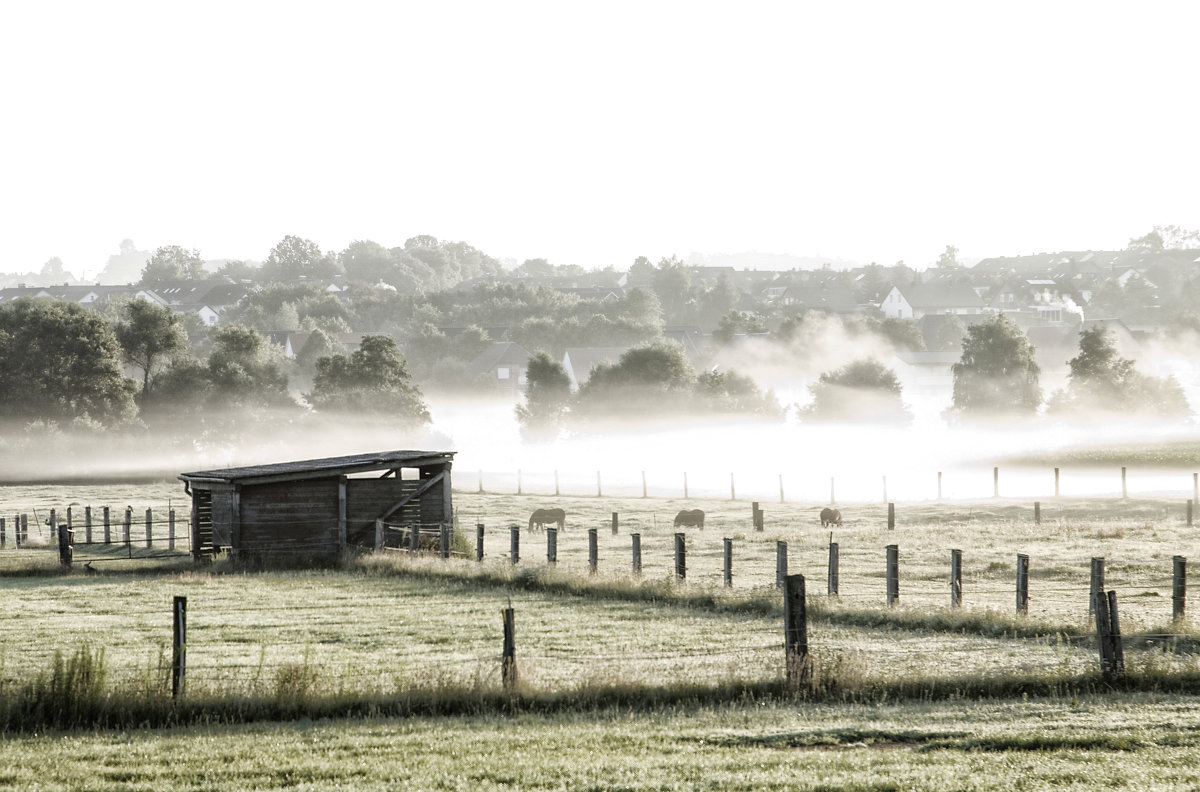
(949, 258)
(243, 372)
(863, 390)
(172, 263)
(731, 392)
(59, 362)
(296, 259)
(150, 336)
(547, 393)
(655, 378)
(997, 373)
(1151, 241)
(373, 379)
(903, 333)
(1100, 379)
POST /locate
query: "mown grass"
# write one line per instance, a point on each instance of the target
(1139, 741)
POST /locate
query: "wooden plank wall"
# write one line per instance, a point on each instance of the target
(290, 517)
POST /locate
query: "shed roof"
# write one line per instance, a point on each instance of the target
(318, 468)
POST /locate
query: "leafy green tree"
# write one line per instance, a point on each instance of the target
(172, 263)
(295, 260)
(949, 258)
(61, 362)
(731, 392)
(238, 271)
(1100, 379)
(950, 334)
(651, 379)
(182, 388)
(547, 394)
(1151, 241)
(149, 336)
(997, 374)
(373, 379)
(903, 333)
(737, 323)
(244, 373)
(365, 261)
(862, 391)
(673, 284)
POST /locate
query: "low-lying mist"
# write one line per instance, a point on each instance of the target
(752, 458)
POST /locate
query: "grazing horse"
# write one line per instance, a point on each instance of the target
(543, 517)
(690, 517)
(830, 517)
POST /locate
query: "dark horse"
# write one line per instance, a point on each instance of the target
(690, 517)
(830, 517)
(543, 517)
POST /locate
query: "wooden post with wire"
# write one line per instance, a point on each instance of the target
(781, 566)
(680, 556)
(615, 522)
(1096, 584)
(795, 637)
(727, 558)
(414, 539)
(1108, 635)
(1022, 583)
(893, 575)
(87, 524)
(107, 526)
(891, 516)
(831, 582)
(956, 578)
(593, 551)
(178, 646)
(1037, 512)
(552, 546)
(1178, 588)
(508, 658)
(170, 528)
(514, 544)
(478, 541)
(637, 553)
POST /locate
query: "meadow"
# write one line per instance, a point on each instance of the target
(384, 671)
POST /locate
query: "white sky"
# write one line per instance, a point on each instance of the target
(595, 133)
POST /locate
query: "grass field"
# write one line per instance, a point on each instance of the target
(626, 682)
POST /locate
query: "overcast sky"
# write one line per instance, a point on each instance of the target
(594, 133)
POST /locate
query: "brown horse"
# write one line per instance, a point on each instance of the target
(690, 517)
(830, 517)
(543, 517)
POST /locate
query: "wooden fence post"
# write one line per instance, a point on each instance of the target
(956, 578)
(637, 553)
(781, 570)
(170, 527)
(732, 488)
(832, 499)
(178, 646)
(519, 482)
(781, 500)
(53, 523)
(508, 659)
(685, 487)
(643, 483)
(1037, 513)
(996, 482)
(1178, 588)
(599, 492)
(1196, 487)
(514, 544)
(25, 528)
(481, 481)
(66, 552)
(891, 516)
(107, 526)
(1022, 583)
(478, 541)
(795, 639)
(414, 539)
(939, 485)
(128, 526)
(831, 582)
(680, 556)
(593, 551)
(893, 574)
(615, 522)
(551, 545)
(1056, 482)
(727, 555)
(444, 540)
(1108, 635)
(3, 533)
(756, 516)
(1096, 585)
(1124, 489)
(379, 536)
(1189, 513)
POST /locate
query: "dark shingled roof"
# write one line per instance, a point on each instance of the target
(315, 468)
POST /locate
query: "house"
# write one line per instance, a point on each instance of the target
(937, 297)
(504, 364)
(317, 507)
(208, 299)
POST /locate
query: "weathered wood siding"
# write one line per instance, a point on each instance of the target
(222, 517)
(369, 499)
(290, 517)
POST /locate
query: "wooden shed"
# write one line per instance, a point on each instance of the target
(317, 506)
